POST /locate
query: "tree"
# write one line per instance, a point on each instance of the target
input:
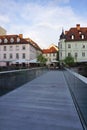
(57, 58)
(69, 60)
(41, 59)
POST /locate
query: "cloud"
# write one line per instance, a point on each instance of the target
(40, 21)
(4, 19)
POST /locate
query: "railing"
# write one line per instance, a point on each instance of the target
(78, 88)
(10, 80)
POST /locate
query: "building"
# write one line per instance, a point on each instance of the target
(2, 31)
(51, 54)
(35, 45)
(14, 49)
(74, 43)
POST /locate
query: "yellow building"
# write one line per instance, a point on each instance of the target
(51, 54)
(2, 31)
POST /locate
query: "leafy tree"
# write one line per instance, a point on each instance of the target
(57, 56)
(41, 59)
(69, 60)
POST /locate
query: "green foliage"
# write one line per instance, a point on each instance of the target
(57, 56)
(69, 60)
(41, 59)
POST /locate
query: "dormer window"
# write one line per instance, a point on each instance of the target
(5, 40)
(72, 37)
(0, 40)
(80, 32)
(82, 36)
(12, 40)
(18, 39)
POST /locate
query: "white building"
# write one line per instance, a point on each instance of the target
(74, 43)
(16, 49)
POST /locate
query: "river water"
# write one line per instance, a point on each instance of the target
(13, 79)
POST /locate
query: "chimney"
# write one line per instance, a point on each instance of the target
(66, 32)
(78, 26)
(21, 35)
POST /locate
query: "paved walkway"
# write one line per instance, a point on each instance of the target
(44, 103)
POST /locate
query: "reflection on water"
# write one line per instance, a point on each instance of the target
(78, 91)
(14, 79)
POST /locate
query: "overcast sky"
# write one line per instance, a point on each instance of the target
(42, 20)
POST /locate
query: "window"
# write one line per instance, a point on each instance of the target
(83, 54)
(23, 56)
(82, 36)
(12, 40)
(10, 48)
(17, 47)
(4, 48)
(4, 56)
(49, 54)
(76, 55)
(23, 48)
(18, 39)
(72, 37)
(83, 46)
(69, 54)
(0, 40)
(80, 32)
(53, 54)
(69, 45)
(17, 56)
(10, 56)
(46, 54)
(5, 40)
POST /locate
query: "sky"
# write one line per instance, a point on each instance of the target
(42, 20)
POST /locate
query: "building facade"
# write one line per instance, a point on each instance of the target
(51, 54)
(74, 43)
(2, 31)
(16, 49)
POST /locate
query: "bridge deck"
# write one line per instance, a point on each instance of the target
(44, 103)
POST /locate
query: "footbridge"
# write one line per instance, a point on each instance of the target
(56, 100)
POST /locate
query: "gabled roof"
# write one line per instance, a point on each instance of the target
(77, 33)
(34, 44)
(51, 49)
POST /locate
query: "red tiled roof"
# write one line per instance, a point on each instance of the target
(77, 33)
(14, 37)
(50, 50)
(8, 37)
(33, 43)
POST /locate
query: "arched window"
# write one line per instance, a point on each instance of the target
(0, 40)
(82, 36)
(18, 39)
(5, 40)
(12, 40)
(72, 37)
